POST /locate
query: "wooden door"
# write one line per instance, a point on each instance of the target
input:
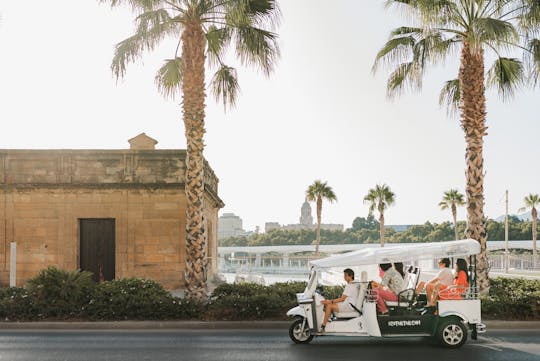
(98, 247)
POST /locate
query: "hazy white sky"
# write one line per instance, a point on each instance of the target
(322, 114)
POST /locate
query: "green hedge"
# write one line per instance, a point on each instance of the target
(58, 294)
(512, 299)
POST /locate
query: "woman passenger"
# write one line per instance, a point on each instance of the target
(457, 289)
(392, 284)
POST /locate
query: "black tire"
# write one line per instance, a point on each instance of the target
(299, 335)
(452, 333)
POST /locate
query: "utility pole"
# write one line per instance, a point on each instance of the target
(506, 236)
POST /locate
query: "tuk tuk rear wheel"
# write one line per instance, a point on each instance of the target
(452, 333)
(299, 331)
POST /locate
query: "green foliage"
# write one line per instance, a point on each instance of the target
(512, 298)
(60, 293)
(245, 27)
(365, 231)
(369, 223)
(249, 301)
(17, 304)
(137, 299)
(442, 27)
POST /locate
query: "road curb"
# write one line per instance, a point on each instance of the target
(143, 325)
(206, 325)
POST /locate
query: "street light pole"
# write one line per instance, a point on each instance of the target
(506, 236)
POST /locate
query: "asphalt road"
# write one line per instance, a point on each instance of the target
(252, 345)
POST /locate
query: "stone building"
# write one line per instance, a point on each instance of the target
(117, 213)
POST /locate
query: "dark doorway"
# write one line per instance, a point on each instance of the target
(97, 247)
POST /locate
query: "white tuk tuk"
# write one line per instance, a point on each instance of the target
(449, 323)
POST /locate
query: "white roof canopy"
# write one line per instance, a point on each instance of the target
(397, 253)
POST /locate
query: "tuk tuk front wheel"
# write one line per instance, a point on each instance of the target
(299, 331)
(452, 333)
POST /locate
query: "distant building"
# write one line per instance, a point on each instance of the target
(306, 222)
(230, 225)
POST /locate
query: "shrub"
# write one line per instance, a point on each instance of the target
(16, 304)
(249, 301)
(512, 298)
(60, 293)
(137, 299)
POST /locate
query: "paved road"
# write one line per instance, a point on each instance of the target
(252, 345)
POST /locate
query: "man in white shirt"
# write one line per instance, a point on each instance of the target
(343, 303)
(445, 277)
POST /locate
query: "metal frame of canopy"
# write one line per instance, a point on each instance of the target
(395, 253)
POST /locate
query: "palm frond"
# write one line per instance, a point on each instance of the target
(169, 78)
(224, 86)
(217, 40)
(396, 50)
(450, 96)
(533, 60)
(254, 13)
(138, 5)
(493, 31)
(506, 75)
(529, 18)
(257, 47)
(321, 190)
(152, 27)
(406, 76)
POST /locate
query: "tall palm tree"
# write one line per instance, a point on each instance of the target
(443, 27)
(532, 201)
(317, 192)
(381, 197)
(452, 199)
(204, 29)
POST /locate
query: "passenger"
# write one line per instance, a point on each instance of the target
(458, 288)
(392, 284)
(398, 266)
(445, 277)
(343, 303)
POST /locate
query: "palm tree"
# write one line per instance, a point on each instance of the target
(452, 199)
(204, 29)
(532, 201)
(443, 27)
(381, 197)
(317, 192)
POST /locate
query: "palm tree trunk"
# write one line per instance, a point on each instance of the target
(381, 224)
(319, 211)
(473, 115)
(193, 86)
(454, 215)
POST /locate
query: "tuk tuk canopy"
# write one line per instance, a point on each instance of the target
(394, 252)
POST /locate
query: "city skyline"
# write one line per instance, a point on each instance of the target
(321, 115)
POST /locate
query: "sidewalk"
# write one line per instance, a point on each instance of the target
(203, 325)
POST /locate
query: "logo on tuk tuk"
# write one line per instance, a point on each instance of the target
(404, 323)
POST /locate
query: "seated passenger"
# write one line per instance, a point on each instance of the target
(458, 288)
(343, 303)
(398, 266)
(445, 277)
(392, 284)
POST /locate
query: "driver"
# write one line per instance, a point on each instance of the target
(343, 303)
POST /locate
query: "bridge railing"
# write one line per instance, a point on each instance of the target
(521, 262)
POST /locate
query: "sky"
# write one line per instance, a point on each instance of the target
(322, 114)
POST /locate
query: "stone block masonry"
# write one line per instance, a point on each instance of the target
(44, 195)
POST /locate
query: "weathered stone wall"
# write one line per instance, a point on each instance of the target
(45, 193)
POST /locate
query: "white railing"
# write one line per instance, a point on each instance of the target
(521, 262)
